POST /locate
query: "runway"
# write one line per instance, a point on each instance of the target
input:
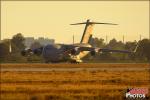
(45, 69)
(37, 67)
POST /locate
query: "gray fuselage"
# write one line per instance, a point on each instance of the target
(60, 52)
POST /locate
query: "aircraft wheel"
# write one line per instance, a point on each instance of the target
(74, 62)
(47, 61)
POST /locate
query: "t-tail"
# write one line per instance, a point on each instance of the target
(87, 34)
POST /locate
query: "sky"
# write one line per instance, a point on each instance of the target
(52, 19)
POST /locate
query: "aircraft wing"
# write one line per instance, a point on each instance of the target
(111, 50)
(105, 50)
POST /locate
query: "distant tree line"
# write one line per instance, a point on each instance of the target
(142, 54)
(17, 45)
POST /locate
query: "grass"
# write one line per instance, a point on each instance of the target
(79, 85)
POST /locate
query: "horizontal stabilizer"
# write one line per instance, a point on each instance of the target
(103, 23)
(93, 23)
(78, 23)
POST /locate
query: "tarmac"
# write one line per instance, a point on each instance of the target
(46, 69)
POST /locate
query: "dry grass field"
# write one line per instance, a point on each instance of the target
(71, 85)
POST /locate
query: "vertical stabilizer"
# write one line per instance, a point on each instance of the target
(87, 34)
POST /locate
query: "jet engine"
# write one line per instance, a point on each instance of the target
(75, 51)
(26, 52)
(93, 53)
(38, 51)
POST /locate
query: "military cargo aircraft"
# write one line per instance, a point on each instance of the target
(72, 53)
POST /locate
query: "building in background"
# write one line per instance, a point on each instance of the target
(28, 41)
(43, 41)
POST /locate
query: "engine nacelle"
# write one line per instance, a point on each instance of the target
(38, 51)
(75, 51)
(26, 52)
(93, 53)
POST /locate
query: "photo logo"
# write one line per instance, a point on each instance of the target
(137, 93)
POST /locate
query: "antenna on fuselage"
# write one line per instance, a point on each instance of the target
(88, 23)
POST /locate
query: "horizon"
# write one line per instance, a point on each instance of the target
(79, 41)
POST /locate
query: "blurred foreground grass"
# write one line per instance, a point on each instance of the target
(79, 85)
